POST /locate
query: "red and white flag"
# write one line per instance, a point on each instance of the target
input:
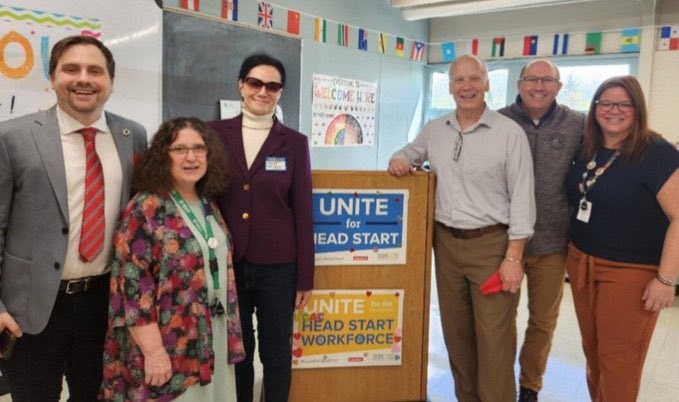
(190, 4)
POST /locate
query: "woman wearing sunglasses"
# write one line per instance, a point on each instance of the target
(173, 314)
(268, 209)
(623, 258)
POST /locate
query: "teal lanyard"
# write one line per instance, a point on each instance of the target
(206, 233)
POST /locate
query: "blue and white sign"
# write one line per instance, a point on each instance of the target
(360, 227)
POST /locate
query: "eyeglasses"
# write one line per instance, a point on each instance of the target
(198, 150)
(607, 106)
(458, 147)
(256, 85)
(546, 81)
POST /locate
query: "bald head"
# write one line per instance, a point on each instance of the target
(539, 85)
(468, 60)
(548, 63)
(468, 85)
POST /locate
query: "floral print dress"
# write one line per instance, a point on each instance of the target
(158, 275)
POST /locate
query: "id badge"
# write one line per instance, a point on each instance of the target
(584, 210)
(276, 164)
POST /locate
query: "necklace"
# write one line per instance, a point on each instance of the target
(585, 206)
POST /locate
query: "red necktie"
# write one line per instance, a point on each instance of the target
(92, 233)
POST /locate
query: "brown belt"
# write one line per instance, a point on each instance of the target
(474, 233)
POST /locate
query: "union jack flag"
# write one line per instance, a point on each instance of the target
(265, 16)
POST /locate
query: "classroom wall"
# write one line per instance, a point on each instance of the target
(135, 43)
(663, 101)
(400, 81)
(657, 69)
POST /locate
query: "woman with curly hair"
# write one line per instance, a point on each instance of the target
(174, 323)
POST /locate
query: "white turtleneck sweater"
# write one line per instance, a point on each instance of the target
(255, 130)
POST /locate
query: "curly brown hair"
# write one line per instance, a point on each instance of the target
(153, 172)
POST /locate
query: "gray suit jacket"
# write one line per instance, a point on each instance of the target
(34, 210)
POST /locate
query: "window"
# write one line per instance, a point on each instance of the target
(580, 75)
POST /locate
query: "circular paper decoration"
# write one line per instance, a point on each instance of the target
(344, 129)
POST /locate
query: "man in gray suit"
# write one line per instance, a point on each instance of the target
(55, 236)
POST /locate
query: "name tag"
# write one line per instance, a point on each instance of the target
(276, 164)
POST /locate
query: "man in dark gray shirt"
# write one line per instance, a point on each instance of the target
(554, 132)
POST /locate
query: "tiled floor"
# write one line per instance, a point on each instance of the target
(565, 377)
(564, 380)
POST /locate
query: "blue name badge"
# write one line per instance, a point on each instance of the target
(276, 164)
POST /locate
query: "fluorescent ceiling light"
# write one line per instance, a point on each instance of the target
(413, 3)
(475, 7)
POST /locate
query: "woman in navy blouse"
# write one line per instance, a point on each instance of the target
(623, 259)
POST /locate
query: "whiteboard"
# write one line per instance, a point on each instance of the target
(132, 29)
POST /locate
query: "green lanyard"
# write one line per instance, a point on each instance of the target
(206, 233)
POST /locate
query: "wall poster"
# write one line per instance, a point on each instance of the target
(343, 112)
(360, 227)
(349, 328)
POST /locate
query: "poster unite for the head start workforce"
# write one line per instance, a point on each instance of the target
(349, 328)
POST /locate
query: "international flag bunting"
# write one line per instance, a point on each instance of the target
(265, 15)
(629, 42)
(498, 47)
(475, 47)
(190, 4)
(382, 45)
(400, 46)
(343, 35)
(669, 38)
(362, 39)
(449, 51)
(593, 43)
(417, 51)
(293, 22)
(321, 30)
(560, 41)
(230, 10)
(530, 45)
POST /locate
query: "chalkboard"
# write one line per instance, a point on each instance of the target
(201, 59)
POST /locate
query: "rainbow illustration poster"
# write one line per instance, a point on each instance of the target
(343, 112)
(26, 38)
(349, 328)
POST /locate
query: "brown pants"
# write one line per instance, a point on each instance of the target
(545, 281)
(616, 329)
(479, 331)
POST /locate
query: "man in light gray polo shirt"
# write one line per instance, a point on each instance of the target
(554, 133)
(485, 212)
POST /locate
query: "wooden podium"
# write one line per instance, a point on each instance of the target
(408, 381)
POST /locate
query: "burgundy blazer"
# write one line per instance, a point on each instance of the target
(268, 208)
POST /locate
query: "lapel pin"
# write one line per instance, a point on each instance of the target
(127, 132)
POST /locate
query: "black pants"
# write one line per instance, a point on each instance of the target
(268, 290)
(71, 344)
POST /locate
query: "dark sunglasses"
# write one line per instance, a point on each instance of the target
(256, 85)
